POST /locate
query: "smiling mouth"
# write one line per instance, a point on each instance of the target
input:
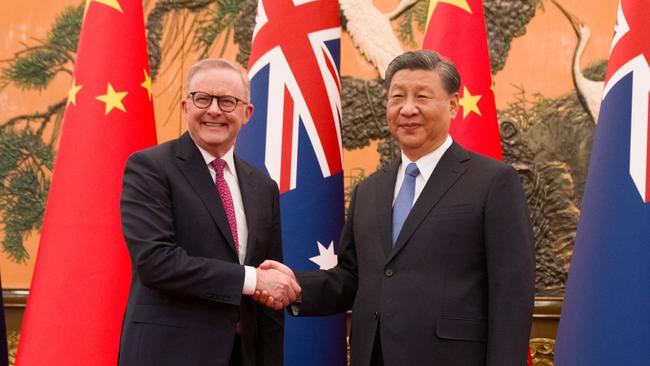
(215, 124)
(409, 126)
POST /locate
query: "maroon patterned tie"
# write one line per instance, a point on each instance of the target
(226, 198)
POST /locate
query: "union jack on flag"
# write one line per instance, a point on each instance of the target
(630, 52)
(294, 41)
(605, 314)
(295, 136)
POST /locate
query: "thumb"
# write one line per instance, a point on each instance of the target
(268, 264)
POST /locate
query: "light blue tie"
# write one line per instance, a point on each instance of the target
(404, 200)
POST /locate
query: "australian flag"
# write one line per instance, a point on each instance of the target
(295, 136)
(606, 314)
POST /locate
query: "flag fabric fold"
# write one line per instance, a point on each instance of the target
(605, 318)
(82, 272)
(295, 136)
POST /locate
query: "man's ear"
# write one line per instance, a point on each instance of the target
(184, 106)
(248, 112)
(453, 105)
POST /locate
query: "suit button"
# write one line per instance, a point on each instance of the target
(388, 272)
(376, 314)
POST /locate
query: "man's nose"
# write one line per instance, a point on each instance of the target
(214, 108)
(409, 108)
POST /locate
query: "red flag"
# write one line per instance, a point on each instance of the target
(4, 355)
(82, 273)
(456, 30)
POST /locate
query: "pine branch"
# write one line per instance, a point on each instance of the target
(43, 117)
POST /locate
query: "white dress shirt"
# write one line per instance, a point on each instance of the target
(426, 165)
(230, 175)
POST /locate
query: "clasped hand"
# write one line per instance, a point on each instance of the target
(277, 286)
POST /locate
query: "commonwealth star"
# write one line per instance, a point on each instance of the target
(326, 258)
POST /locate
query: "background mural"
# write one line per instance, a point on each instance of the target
(548, 63)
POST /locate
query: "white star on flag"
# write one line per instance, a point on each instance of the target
(326, 259)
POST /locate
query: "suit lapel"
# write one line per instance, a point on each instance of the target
(449, 169)
(249, 197)
(193, 167)
(384, 201)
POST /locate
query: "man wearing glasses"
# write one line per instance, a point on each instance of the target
(197, 221)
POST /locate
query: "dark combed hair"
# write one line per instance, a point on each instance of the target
(425, 60)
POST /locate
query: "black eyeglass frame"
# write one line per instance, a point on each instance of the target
(219, 98)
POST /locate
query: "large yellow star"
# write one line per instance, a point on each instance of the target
(112, 99)
(72, 93)
(147, 84)
(469, 102)
(459, 3)
(115, 4)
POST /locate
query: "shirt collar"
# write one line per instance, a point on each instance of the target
(427, 163)
(229, 157)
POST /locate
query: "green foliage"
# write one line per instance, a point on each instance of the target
(36, 66)
(64, 34)
(214, 22)
(596, 70)
(416, 13)
(34, 69)
(25, 162)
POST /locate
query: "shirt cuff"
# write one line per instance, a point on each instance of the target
(295, 308)
(250, 280)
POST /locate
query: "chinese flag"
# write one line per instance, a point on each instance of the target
(82, 273)
(456, 30)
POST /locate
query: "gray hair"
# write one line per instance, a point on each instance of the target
(425, 60)
(218, 64)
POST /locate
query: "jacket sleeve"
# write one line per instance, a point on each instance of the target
(157, 260)
(271, 322)
(510, 259)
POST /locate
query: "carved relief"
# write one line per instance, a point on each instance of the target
(542, 351)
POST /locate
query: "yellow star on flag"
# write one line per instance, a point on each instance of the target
(469, 102)
(72, 93)
(112, 99)
(115, 4)
(147, 84)
(458, 3)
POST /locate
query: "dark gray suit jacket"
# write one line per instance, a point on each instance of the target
(458, 287)
(186, 292)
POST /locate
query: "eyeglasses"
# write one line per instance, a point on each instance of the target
(227, 103)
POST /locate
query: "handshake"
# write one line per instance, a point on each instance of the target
(277, 286)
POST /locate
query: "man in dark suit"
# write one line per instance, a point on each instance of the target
(437, 253)
(197, 221)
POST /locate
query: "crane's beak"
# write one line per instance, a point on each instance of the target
(575, 22)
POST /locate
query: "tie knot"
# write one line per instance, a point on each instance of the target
(412, 170)
(218, 165)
